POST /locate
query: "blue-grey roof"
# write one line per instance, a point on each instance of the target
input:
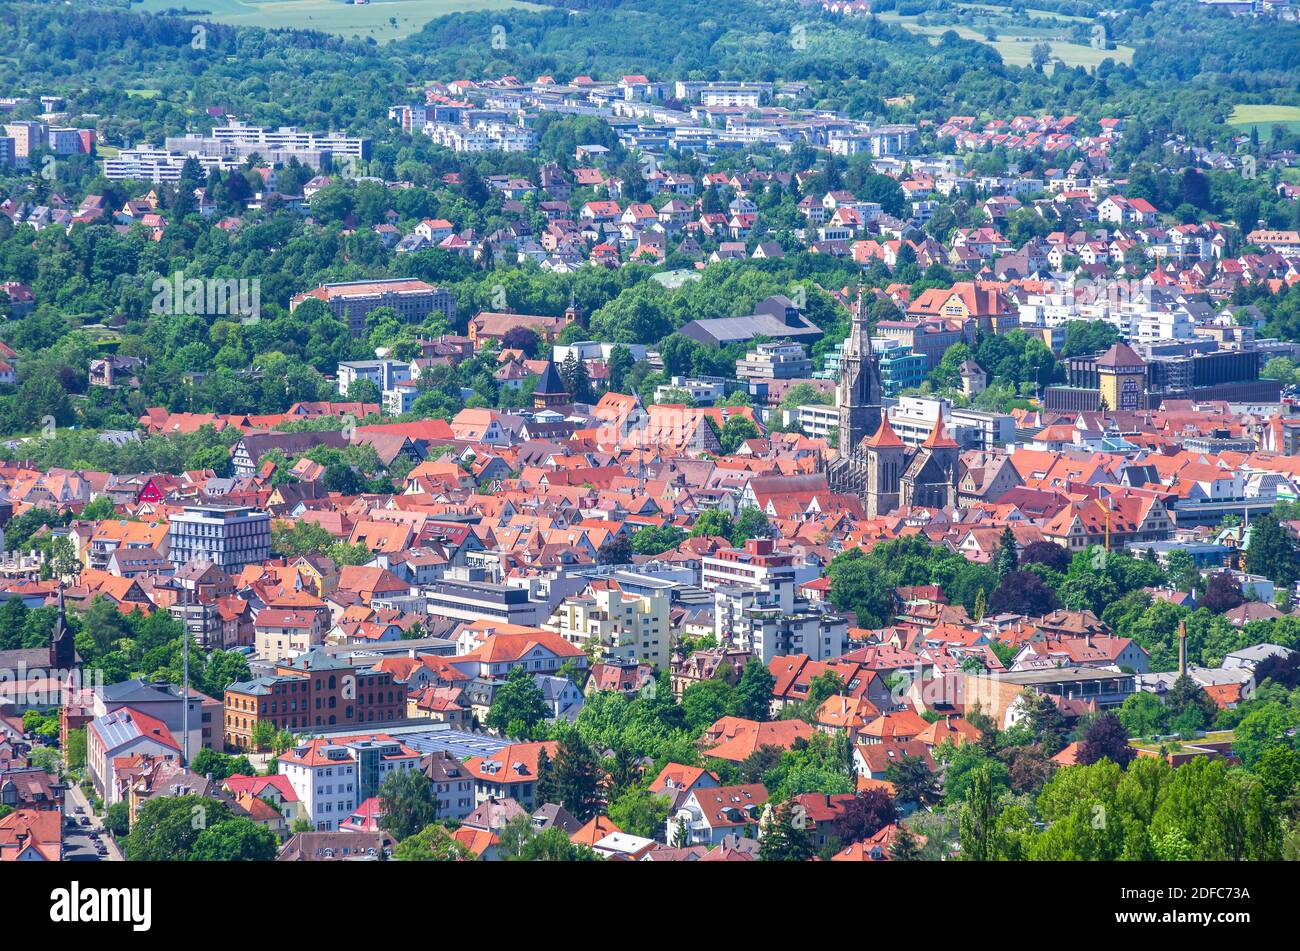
(139, 691)
(459, 744)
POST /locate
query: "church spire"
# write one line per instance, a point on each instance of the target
(939, 438)
(63, 652)
(858, 397)
(884, 437)
(861, 332)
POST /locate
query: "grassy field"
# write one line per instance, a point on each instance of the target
(1014, 41)
(385, 20)
(1153, 746)
(1264, 118)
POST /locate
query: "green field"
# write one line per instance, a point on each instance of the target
(385, 20)
(1264, 118)
(1015, 41)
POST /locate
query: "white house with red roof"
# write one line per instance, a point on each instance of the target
(114, 738)
(509, 773)
(709, 814)
(276, 790)
(332, 776)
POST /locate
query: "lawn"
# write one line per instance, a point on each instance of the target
(1014, 42)
(1153, 746)
(1264, 118)
(385, 20)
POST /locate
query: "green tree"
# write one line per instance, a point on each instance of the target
(1007, 559)
(786, 835)
(408, 802)
(640, 812)
(518, 701)
(914, 784)
(905, 847)
(657, 539)
(117, 819)
(573, 372)
(978, 817)
(576, 776)
(238, 839)
(735, 431)
(750, 523)
(1143, 714)
(433, 843)
(712, 522)
(1271, 551)
(753, 697)
(707, 701)
(167, 828)
(1262, 729)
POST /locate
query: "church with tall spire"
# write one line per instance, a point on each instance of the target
(51, 661)
(871, 461)
(858, 395)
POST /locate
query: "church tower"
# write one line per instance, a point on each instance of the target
(550, 390)
(886, 459)
(931, 479)
(859, 394)
(63, 652)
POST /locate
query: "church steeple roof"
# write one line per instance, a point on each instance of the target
(861, 327)
(884, 437)
(939, 438)
(63, 652)
(549, 382)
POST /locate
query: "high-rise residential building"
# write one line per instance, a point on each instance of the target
(27, 136)
(622, 626)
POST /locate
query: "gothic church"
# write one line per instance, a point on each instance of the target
(871, 462)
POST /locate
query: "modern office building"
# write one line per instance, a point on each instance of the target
(332, 777)
(230, 536)
(756, 609)
(483, 600)
(161, 165)
(774, 361)
(900, 368)
(276, 146)
(1123, 378)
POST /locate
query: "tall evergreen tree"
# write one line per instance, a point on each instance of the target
(978, 815)
(905, 847)
(577, 777)
(1271, 551)
(1007, 557)
(754, 692)
(576, 379)
(786, 836)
